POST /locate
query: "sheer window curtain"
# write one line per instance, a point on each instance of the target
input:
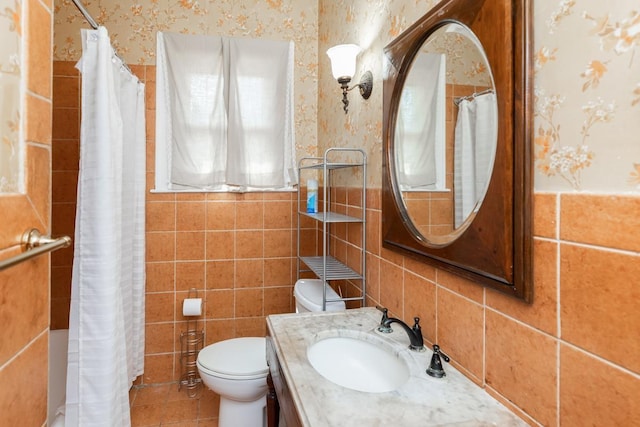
(224, 114)
(420, 157)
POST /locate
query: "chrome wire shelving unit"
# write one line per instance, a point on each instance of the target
(324, 265)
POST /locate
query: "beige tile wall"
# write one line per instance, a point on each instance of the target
(236, 250)
(24, 289)
(64, 176)
(571, 358)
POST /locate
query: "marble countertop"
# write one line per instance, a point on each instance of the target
(422, 401)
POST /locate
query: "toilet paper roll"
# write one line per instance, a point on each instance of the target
(192, 307)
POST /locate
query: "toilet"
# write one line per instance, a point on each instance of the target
(237, 370)
(308, 296)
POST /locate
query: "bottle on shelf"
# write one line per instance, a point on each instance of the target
(312, 196)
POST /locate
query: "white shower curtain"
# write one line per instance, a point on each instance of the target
(106, 324)
(474, 152)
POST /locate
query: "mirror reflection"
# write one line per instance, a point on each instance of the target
(445, 134)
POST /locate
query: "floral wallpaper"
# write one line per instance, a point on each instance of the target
(587, 95)
(587, 72)
(133, 27)
(466, 63)
(10, 107)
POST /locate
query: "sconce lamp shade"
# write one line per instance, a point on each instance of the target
(343, 60)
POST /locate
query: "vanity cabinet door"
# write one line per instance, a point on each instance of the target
(273, 408)
(280, 403)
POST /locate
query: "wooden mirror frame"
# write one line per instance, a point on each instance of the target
(496, 249)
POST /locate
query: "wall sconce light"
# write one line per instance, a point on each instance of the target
(343, 67)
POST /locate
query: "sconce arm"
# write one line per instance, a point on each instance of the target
(365, 86)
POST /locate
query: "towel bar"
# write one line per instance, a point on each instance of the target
(34, 244)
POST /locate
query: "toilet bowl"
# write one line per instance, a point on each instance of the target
(237, 370)
(308, 296)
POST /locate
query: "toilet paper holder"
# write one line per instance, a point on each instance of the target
(191, 342)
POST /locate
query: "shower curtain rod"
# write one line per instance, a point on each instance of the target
(86, 14)
(458, 100)
(95, 26)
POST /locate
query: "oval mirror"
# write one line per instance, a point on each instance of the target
(445, 134)
(462, 207)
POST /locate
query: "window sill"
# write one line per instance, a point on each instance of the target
(262, 190)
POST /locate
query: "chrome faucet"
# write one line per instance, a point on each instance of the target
(415, 333)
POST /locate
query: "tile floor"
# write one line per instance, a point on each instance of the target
(163, 405)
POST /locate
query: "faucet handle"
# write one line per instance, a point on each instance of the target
(384, 325)
(418, 343)
(435, 367)
(416, 323)
(436, 349)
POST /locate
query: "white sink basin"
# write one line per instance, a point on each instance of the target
(358, 364)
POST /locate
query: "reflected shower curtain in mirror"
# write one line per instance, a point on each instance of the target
(475, 145)
(106, 324)
(420, 127)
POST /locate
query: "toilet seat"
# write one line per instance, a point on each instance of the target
(237, 358)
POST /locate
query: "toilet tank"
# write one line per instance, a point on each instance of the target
(308, 296)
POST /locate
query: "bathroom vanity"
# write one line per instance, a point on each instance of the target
(307, 398)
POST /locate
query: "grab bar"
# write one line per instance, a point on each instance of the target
(34, 244)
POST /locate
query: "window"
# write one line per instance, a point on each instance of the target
(224, 114)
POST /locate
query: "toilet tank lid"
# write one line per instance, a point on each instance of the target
(309, 292)
(237, 356)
